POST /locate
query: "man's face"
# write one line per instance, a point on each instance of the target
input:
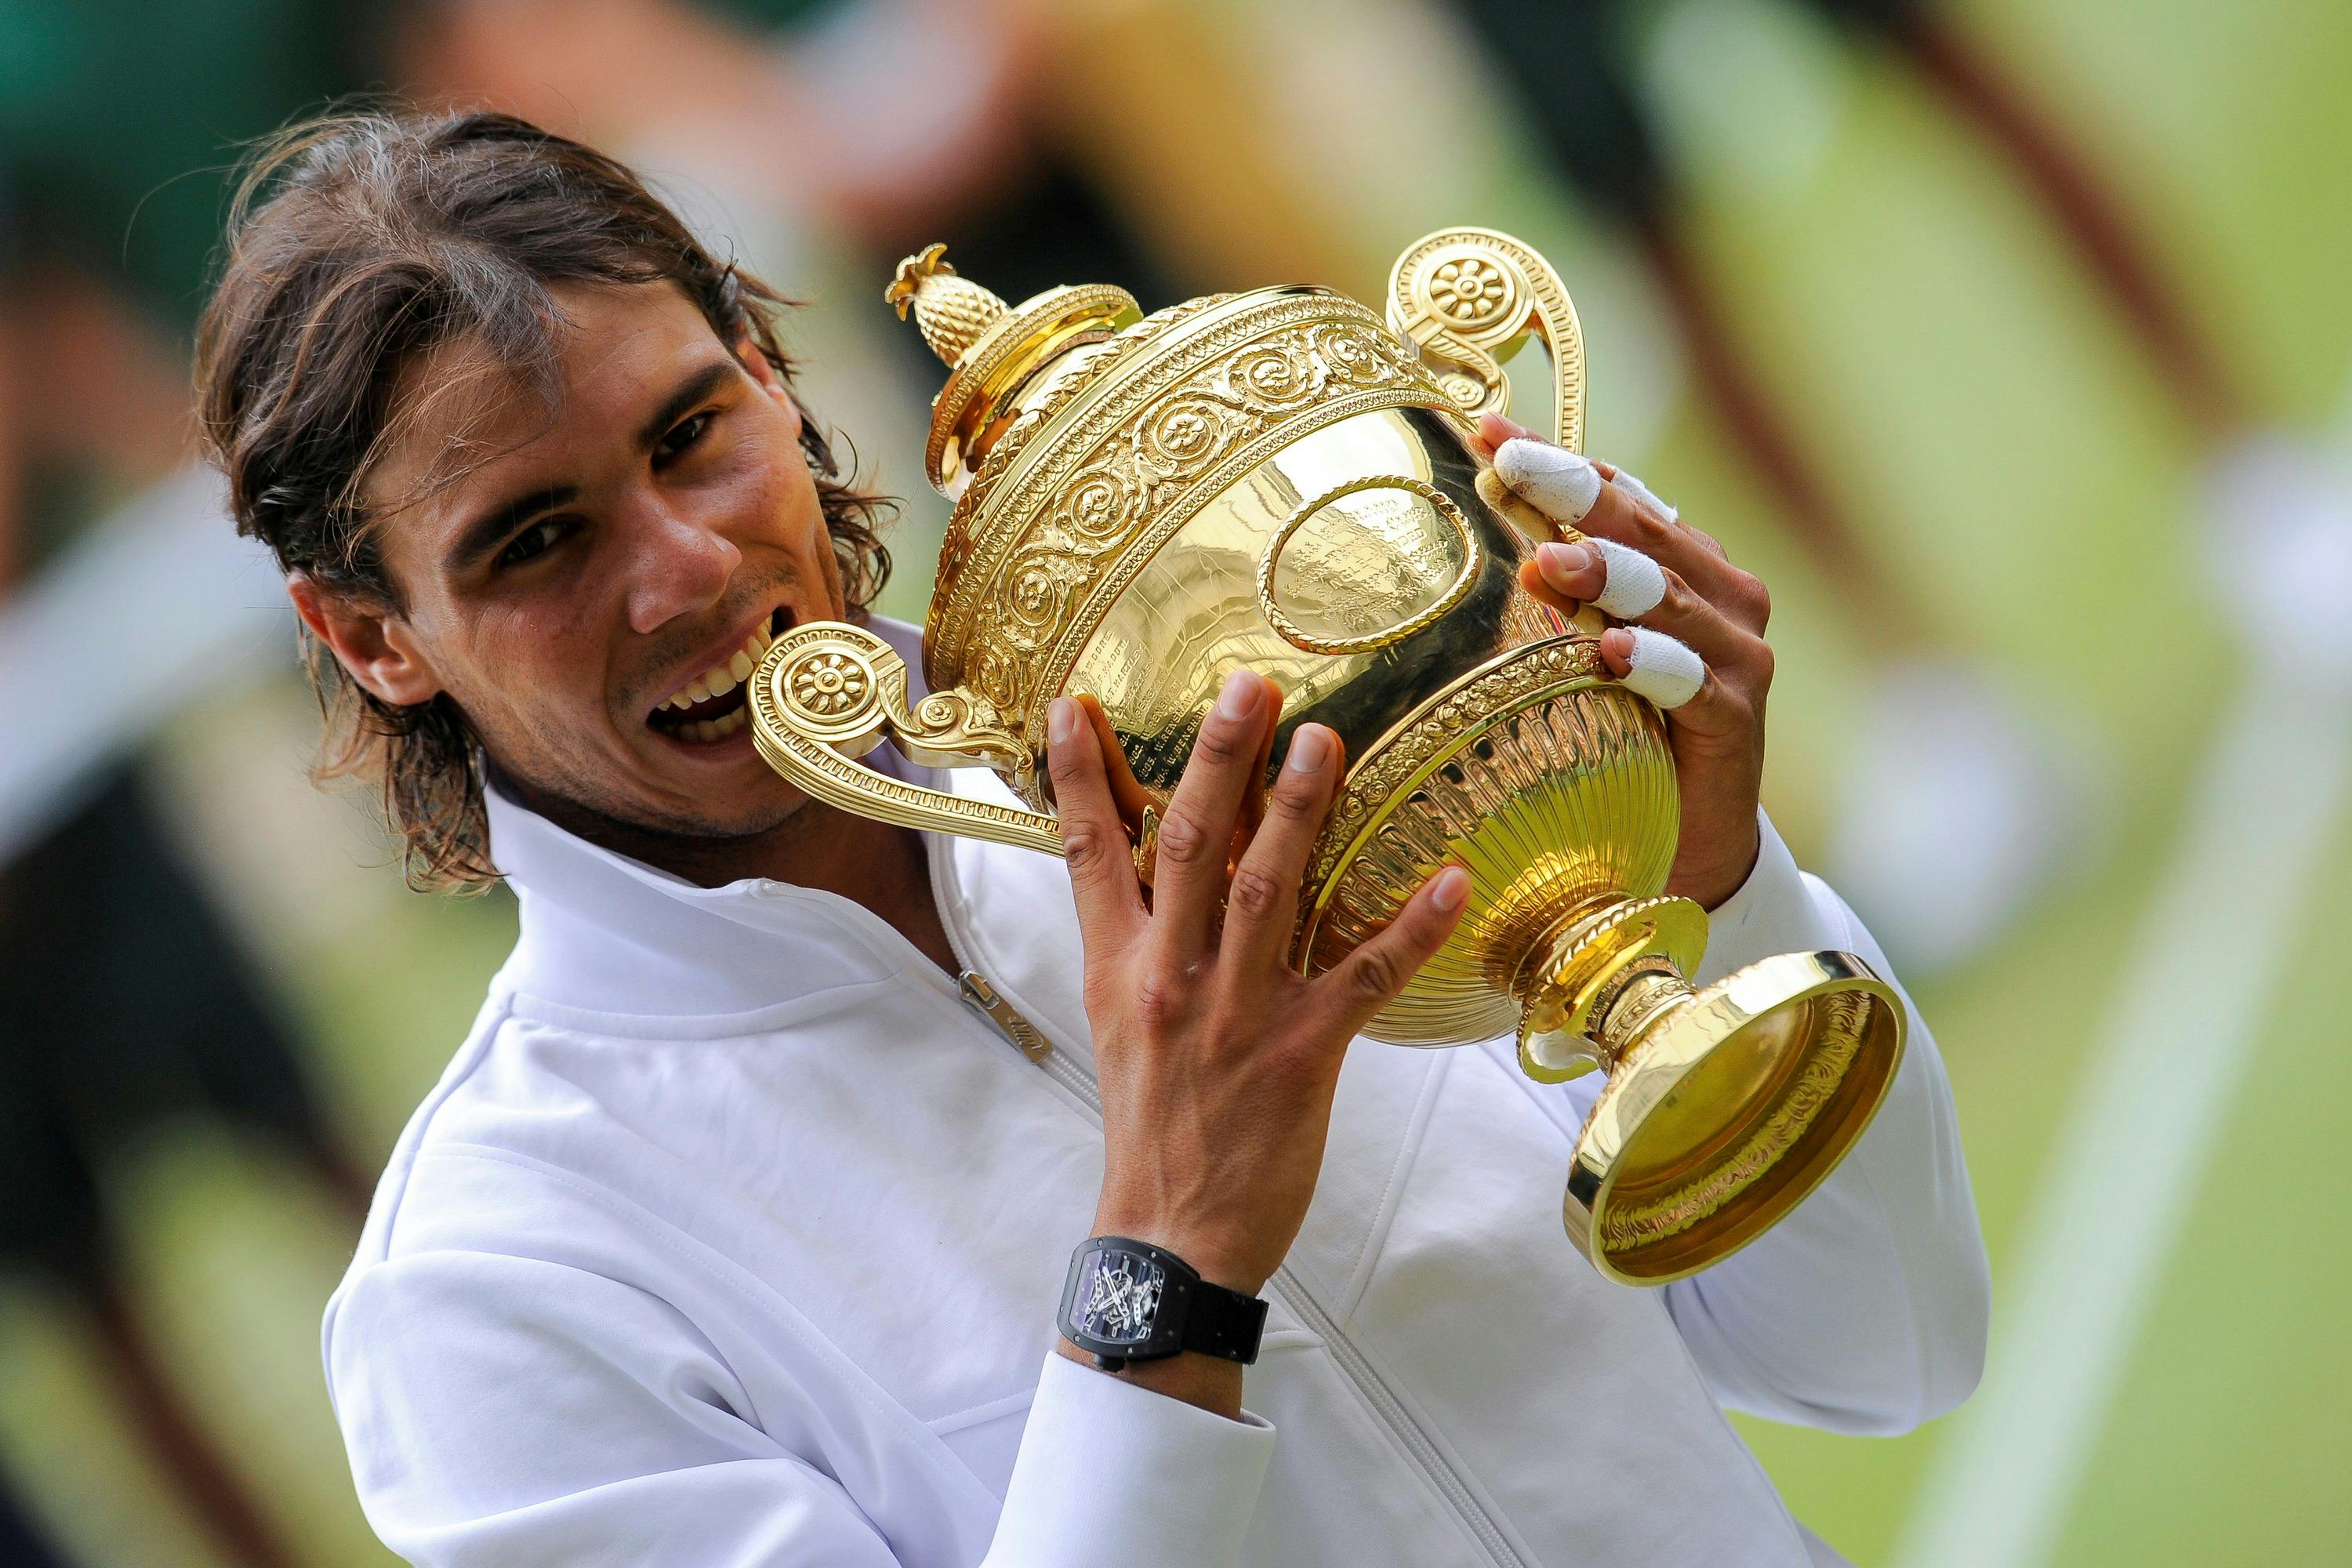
(592, 594)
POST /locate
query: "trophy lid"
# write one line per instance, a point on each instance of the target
(997, 354)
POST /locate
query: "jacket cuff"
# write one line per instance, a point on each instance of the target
(1110, 1472)
(1773, 911)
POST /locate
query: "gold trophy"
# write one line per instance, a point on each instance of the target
(1279, 479)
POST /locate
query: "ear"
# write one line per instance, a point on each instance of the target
(764, 373)
(375, 647)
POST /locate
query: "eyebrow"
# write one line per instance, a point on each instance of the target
(493, 528)
(680, 403)
(490, 530)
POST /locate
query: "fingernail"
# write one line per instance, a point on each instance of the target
(1239, 697)
(1310, 748)
(1061, 721)
(1562, 562)
(1451, 888)
(1554, 477)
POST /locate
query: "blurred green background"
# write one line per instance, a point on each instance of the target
(1959, 322)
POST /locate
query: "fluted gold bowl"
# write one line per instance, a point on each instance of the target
(1282, 479)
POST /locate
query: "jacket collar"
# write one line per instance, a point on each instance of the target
(604, 933)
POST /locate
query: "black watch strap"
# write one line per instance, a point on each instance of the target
(1222, 1322)
(1129, 1300)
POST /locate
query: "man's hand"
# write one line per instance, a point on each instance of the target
(1707, 607)
(1217, 1061)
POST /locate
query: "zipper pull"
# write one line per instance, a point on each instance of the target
(984, 999)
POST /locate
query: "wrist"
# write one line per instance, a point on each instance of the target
(1710, 884)
(1212, 1257)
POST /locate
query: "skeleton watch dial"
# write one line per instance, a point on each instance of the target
(1118, 1297)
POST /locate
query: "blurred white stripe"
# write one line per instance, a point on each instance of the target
(2165, 1069)
(157, 603)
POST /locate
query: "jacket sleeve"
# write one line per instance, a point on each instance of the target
(1865, 1310)
(515, 1411)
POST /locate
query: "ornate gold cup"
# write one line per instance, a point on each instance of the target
(1277, 478)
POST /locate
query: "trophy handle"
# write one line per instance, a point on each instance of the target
(1467, 300)
(827, 692)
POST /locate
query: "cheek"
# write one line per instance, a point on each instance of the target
(534, 660)
(780, 489)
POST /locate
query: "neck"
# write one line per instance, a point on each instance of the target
(872, 864)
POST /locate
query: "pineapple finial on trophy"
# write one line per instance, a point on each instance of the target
(953, 312)
(997, 353)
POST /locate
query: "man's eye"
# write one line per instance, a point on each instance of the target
(684, 434)
(536, 539)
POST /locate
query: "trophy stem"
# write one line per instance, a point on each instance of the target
(1724, 1105)
(1636, 1002)
(1607, 971)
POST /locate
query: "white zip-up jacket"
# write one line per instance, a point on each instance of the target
(733, 1238)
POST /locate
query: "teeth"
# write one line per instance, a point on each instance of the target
(718, 729)
(719, 680)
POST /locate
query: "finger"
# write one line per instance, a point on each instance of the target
(1253, 796)
(1617, 516)
(1494, 429)
(1563, 485)
(1196, 834)
(1648, 664)
(1094, 841)
(1573, 489)
(1369, 978)
(1626, 584)
(1655, 666)
(1663, 511)
(1616, 578)
(1262, 906)
(1626, 481)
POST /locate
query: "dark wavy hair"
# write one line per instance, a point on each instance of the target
(361, 240)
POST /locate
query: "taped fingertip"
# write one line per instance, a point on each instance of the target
(1555, 479)
(1636, 584)
(1664, 669)
(1646, 495)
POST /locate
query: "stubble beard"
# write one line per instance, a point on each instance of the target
(643, 829)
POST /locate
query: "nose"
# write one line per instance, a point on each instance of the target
(678, 565)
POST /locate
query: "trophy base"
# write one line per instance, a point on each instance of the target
(1725, 1106)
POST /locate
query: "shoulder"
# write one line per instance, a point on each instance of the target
(502, 1158)
(501, 1248)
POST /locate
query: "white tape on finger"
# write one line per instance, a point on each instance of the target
(1636, 583)
(1646, 495)
(1664, 669)
(1561, 484)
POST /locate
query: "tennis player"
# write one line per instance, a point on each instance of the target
(813, 1191)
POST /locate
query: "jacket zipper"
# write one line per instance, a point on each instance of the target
(983, 998)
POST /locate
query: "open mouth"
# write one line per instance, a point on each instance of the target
(716, 703)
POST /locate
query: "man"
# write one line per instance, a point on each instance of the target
(734, 1233)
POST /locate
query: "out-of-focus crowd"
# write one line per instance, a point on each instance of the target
(1893, 291)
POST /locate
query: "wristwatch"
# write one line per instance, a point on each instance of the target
(1129, 1300)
